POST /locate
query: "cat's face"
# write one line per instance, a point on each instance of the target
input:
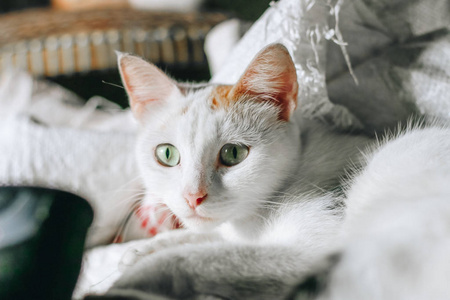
(215, 153)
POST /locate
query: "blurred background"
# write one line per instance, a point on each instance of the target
(72, 42)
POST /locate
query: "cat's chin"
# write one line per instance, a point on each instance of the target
(200, 223)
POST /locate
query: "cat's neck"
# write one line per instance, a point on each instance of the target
(326, 157)
(243, 230)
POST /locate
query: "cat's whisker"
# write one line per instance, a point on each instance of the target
(259, 215)
(122, 226)
(131, 191)
(113, 84)
(271, 201)
(284, 193)
(164, 209)
(269, 207)
(105, 278)
(131, 199)
(218, 206)
(129, 182)
(135, 193)
(170, 216)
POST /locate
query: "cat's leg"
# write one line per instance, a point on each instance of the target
(163, 241)
(221, 270)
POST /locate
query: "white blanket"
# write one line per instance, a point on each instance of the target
(49, 139)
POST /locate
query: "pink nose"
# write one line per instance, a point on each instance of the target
(194, 200)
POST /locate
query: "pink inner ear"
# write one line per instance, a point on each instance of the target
(271, 76)
(145, 83)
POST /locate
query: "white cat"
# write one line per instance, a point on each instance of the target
(250, 178)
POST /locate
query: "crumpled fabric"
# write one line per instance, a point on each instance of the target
(49, 138)
(363, 65)
(399, 50)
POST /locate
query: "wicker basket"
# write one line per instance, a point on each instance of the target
(52, 42)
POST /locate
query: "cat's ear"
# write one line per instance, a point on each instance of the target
(146, 85)
(271, 76)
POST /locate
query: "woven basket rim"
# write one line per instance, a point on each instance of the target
(39, 23)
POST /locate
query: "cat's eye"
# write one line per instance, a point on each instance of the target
(233, 154)
(167, 155)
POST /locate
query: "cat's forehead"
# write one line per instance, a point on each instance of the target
(214, 97)
(212, 113)
(196, 100)
(206, 116)
(197, 119)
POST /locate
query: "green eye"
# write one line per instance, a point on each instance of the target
(233, 154)
(167, 155)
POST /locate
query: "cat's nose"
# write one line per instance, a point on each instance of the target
(194, 200)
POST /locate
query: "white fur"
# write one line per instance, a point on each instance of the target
(397, 228)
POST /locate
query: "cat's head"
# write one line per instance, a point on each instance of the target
(215, 153)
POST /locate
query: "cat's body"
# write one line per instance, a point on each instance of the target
(397, 227)
(259, 221)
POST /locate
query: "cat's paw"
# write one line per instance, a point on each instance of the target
(164, 241)
(165, 273)
(133, 255)
(214, 270)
